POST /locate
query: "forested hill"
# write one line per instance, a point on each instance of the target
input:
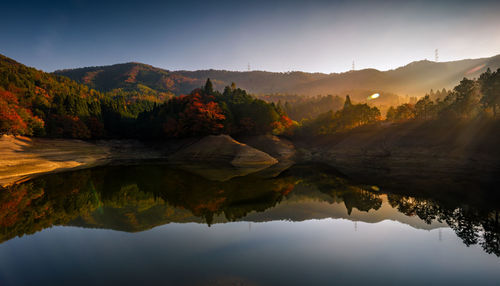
(133, 76)
(414, 79)
(33, 102)
(36, 103)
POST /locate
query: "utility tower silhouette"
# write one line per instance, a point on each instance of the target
(248, 67)
(436, 55)
(352, 65)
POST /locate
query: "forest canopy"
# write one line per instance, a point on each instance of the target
(36, 103)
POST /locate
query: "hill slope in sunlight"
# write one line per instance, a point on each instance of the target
(414, 79)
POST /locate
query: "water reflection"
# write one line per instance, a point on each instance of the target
(138, 198)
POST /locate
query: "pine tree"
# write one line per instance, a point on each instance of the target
(209, 88)
(347, 102)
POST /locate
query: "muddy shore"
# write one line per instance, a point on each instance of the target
(416, 153)
(22, 158)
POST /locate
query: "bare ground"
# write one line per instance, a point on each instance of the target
(22, 157)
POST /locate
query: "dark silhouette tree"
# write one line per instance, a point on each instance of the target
(347, 102)
(490, 89)
(209, 88)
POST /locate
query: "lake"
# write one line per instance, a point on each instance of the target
(309, 225)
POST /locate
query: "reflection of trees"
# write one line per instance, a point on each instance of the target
(38, 204)
(338, 188)
(205, 198)
(135, 198)
(130, 198)
(491, 235)
(362, 200)
(472, 225)
(411, 206)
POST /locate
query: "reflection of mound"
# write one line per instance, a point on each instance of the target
(279, 148)
(221, 158)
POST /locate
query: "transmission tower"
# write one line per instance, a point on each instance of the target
(248, 67)
(353, 65)
(436, 55)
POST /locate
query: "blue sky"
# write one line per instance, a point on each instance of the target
(313, 36)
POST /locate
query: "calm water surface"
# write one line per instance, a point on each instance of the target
(154, 225)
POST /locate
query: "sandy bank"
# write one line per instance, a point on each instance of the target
(22, 157)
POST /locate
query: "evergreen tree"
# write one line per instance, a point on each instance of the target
(347, 102)
(209, 88)
(490, 89)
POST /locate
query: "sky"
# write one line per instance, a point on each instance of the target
(281, 36)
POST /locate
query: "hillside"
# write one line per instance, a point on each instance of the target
(414, 79)
(30, 99)
(33, 102)
(133, 76)
(418, 156)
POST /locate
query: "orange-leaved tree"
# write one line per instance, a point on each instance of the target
(192, 115)
(15, 119)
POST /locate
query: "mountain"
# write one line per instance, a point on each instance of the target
(30, 99)
(414, 79)
(132, 76)
(33, 102)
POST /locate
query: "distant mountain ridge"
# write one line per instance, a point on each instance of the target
(414, 79)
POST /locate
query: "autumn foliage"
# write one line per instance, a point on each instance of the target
(36, 103)
(68, 126)
(15, 119)
(197, 115)
(206, 111)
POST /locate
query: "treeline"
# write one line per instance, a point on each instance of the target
(302, 107)
(350, 116)
(207, 111)
(471, 98)
(299, 107)
(35, 103)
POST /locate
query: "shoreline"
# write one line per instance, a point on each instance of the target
(23, 158)
(392, 155)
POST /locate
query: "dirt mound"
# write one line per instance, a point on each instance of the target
(221, 158)
(222, 150)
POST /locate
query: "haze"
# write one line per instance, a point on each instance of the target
(312, 36)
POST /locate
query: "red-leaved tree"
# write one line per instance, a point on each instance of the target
(192, 115)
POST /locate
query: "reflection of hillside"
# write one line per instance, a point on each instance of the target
(472, 225)
(311, 205)
(141, 197)
(38, 204)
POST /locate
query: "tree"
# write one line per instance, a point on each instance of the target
(10, 121)
(490, 89)
(209, 88)
(405, 112)
(464, 98)
(15, 119)
(347, 102)
(247, 115)
(195, 114)
(67, 126)
(391, 114)
(423, 108)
